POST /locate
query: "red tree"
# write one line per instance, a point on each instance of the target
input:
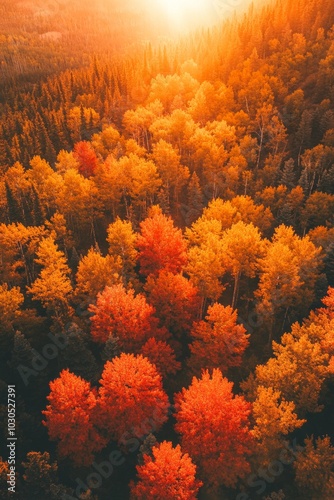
(168, 474)
(219, 341)
(161, 245)
(175, 300)
(84, 153)
(69, 418)
(161, 355)
(214, 428)
(132, 402)
(121, 314)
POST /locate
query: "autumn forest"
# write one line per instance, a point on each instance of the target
(166, 253)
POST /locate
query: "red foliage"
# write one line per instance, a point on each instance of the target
(132, 402)
(175, 299)
(167, 475)
(121, 314)
(214, 428)
(84, 153)
(69, 418)
(219, 341)
(161, 245)
(161, 355)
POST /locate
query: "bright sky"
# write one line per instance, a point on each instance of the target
(184, 15)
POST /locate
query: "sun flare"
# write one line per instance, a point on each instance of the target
(185, 13)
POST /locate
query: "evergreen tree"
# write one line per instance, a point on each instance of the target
(111, 349)
(37, 212)
(326, 184)
(76, 356)
(146, 448)
(22, 353)
(14, 209)
(288, 176)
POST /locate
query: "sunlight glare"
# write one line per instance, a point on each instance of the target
(183, 14)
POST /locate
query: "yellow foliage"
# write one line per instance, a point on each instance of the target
(274, 418)
(10, 303)
(95, 272)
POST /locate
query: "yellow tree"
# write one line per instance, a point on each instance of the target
(79, 201)
(297, 370)
(173, 175)
(251, 212)
(173, 91)
(144, 182)
(274, 418)
(206, 267)
(18, 245)
(206, 257)
(47, 183)
(112, 179)
(11, 300)
(209, 98)
(137, 122)
(59, 232)
(308, 258)
(202, 229)
(95, 272)
(66, 161)
(16, 179)
(108, 142)
(78, 117)
(243, 247)
(177, 128)
(280, 283)
(122, 240)
(53, 287)
(208, 155)
(288, 274)
(239, 208)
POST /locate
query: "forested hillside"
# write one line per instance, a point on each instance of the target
(167, 254)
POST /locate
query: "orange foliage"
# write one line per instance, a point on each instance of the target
(168, 474)
(131, 400)
(84, 153)
(175, 299)
(119, 313)
(214, 428)
(328, 301)
(161, 245)
(161, 355)
(69, 418)
(219, 341)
